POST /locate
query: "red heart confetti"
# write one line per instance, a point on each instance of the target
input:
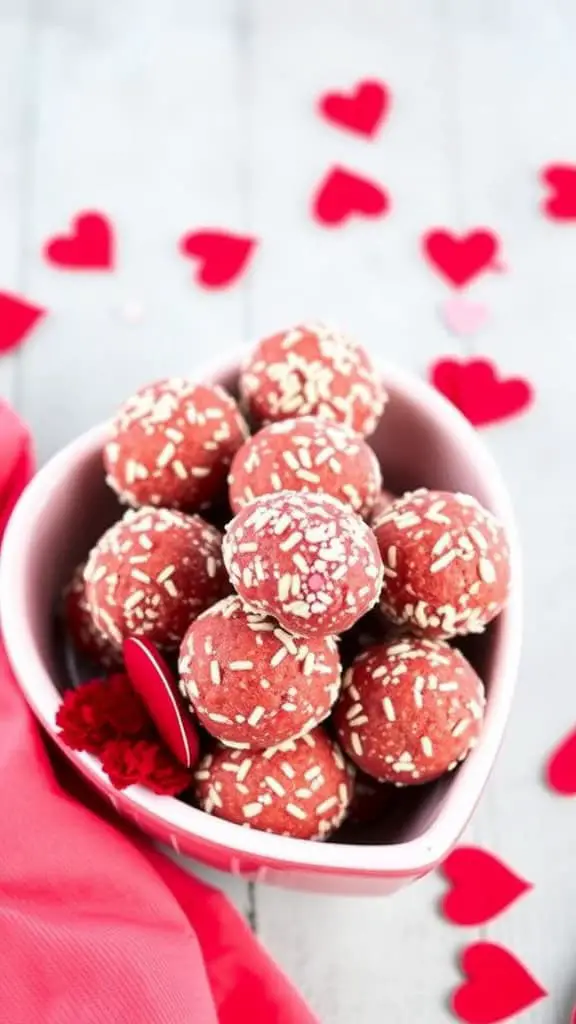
(222, 256)
(482, 886)
(561, 203)
(89, 246)
(361, 110)
(561, 767)
(152, 680)
(17, 318)
(344, 194)
(461, 258)
(475, 388)
(498, 985)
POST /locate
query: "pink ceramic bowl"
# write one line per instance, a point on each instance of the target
(422, 441)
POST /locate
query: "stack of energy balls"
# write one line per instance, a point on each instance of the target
(257, 616)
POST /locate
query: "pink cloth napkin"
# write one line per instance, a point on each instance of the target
(96, 926)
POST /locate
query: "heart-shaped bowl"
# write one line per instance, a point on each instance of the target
(422, 441)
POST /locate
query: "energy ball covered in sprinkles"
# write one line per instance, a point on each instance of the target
(305, 559)
(446, 563)
(301, 789)
(409, 710)
(80, 625)
(312, 370)
(152, 573)
(306, 454)
(251, 683)
(172, 444)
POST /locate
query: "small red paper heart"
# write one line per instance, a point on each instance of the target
(460, 259)
(152, 680)
(222, 256)
(17, 318)
(561, 767)
(89, 246)
(561, 203)
(498, 985)
(361, 110)
(476, 390)
(482, 886)
(343, 194)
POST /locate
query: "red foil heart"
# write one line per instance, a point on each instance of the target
(344, 194)
(221, 256)
(482, 886)
(17, 318)
(561, 767)
(476, 389)
(89, 245)
(361, 110)
(153, 681)
(460, 258)
(561, 202)
(497, 986)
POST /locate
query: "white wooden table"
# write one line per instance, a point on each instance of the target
(191, 113)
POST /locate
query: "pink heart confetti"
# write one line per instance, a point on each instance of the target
(462, 317)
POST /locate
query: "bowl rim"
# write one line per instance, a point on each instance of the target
(413, 856)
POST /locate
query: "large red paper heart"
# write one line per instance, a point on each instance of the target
(343, 194)
(561, 203)
(460, 259)
(361, 110)
(221, 255)
(475, 388)
(561, 767)
(482, 886)
(152, 680)
(17, 318)
(498, 985)
(89, 246)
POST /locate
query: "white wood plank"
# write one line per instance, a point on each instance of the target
(14, 52)
(510, 123)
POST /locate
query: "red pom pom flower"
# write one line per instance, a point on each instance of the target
(106, 717)
(145, 761)
(99, 711)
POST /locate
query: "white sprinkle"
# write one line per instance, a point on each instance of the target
(478, 538)
(460, 727)
(443, 561)
(288, 770)
(426, 744)
(137, 574)
(134, 599)
(249, 546)
(278, 657)
(274, 785)
(284, 584)
(296, 811)
(256, 715)
(215, 673)
(486, 570)
(282, 525)
(241, 666)
(389, 709)
(211, 566)
(215, 717)
(167, 453)
(356, 743)
(312, 773)
(291, 541)
(251, 810)
(168, 571)
(327, 805)
(244, 769)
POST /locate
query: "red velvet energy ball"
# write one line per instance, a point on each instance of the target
(152, 573)
(252, 684)
(409, 710)
(446, 563)
(304, 559)
(306, 454)
(81, 628)
(312, 370)
(172, 443)
(301, 789)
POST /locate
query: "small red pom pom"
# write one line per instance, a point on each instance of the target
(102, 710)
(146, 761)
